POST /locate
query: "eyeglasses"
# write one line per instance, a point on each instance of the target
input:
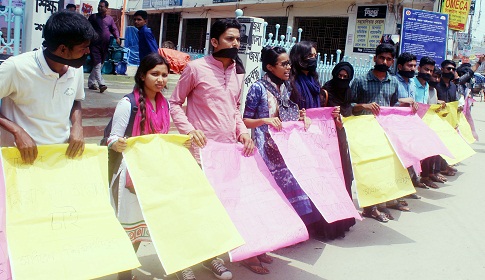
(449, 68)
(285, 63)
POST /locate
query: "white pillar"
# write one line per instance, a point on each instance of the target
(181, 26)
(207, 36)
(250, 58)
(162, 18)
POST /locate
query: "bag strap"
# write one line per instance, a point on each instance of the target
(326, 97)
(134, 110)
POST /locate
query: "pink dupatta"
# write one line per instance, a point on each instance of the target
(158, 118)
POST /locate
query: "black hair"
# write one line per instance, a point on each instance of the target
(386, 48)
(143, 14)
(405, 57)
(464, 69)
(221, 25)
(298, 54)
(67, 28)
(437, 71)
(106, 4)
(269, 55)
(147, 63)
(426, 60)
(447, 62)
(68, 6)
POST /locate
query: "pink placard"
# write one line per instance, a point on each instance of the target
(253, 200)
(5, 273)
(314, 171)
(410, 137)
(422, 109)
(327, 140)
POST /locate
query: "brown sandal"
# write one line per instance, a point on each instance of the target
(438, 178)
(428, 182)
(265, 258)
(257, 268)
(375, 214)
(400, 207)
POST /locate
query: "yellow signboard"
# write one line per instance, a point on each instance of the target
(458, 11)
(379, 174)
(187, 222)
(60, 224)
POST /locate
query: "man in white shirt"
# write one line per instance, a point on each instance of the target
(42, 90)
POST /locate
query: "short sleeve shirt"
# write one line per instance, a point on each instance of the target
(37, 99)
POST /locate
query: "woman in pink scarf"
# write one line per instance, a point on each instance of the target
(151, 117)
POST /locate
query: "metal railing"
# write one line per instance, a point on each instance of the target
(11, 14)
(325, 64)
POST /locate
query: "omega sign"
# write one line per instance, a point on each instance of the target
(457, 5)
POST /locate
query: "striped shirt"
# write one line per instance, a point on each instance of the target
(368, 89)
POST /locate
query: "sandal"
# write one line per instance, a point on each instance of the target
(452, 168)
(428, 182)
(257, 268)
(375, 214)
(418, 184)
(386, 212)
(441, 177)
(402, 202)
(437, 179)
(413, 196)
(265, 258)
(448, 172)
(400, 207)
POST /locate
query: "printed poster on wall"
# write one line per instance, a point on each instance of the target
(424, 33)
(369, 28)
(252, 38)
(458, 11)
(36, 14)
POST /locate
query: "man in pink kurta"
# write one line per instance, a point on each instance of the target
(213, 90)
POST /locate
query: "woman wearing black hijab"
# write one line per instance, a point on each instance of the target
(338, 94)
(338, 88)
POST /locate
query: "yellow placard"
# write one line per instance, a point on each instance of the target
(60, 224)
(449, 113)
(187, 222)
(458, 11)
(379, 174)
(455, 144)
(465, 129)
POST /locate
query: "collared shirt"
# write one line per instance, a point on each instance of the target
(213, 98)
(368, 89)
(406, 89)
(37, 99)
(447, 94)
(422, 92)
(146, 42)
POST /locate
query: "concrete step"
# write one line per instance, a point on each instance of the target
(94, 127)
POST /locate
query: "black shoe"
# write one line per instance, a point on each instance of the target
(102, 88)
